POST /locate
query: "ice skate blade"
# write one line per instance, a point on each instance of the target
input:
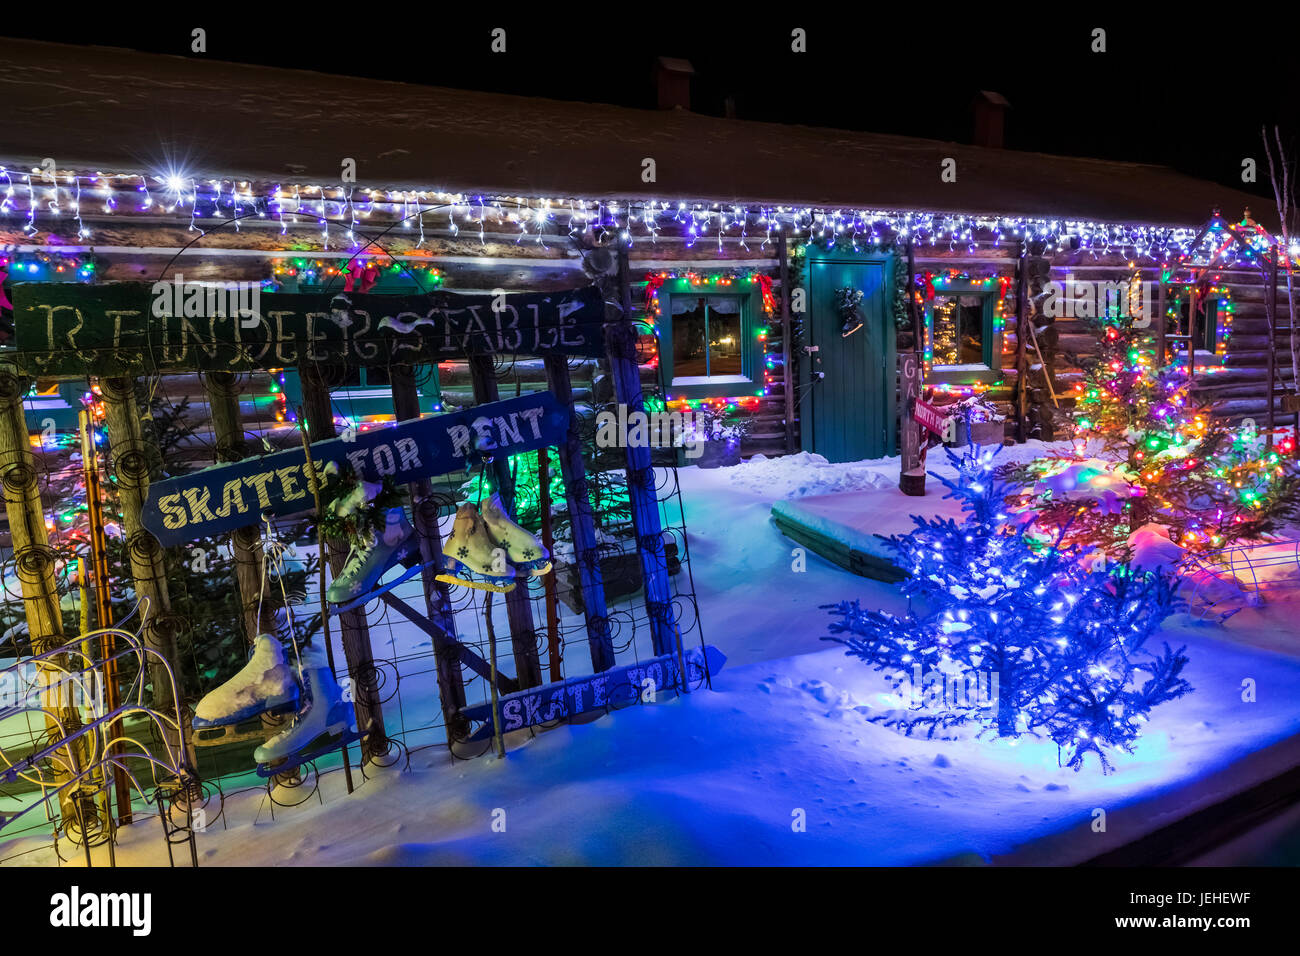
(476, 585)
(375, 592)
(233, 734)
(325, 743)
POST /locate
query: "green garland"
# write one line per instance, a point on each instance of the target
(368, 519)
(902, 320)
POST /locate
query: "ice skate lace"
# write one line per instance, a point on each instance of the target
(357, 554)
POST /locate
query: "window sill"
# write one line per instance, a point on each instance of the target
(717, 386)
(963, 374)
(682, 380)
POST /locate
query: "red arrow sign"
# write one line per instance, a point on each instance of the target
(930, 417)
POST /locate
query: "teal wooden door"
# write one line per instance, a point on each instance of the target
(847, 412)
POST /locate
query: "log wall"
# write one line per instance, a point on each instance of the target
(147, 251)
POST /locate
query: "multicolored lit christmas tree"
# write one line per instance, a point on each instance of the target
(1147, 452)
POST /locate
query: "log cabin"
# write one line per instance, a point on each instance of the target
(737, 235)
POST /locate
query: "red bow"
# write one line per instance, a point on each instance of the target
(364, 282)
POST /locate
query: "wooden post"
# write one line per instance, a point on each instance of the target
(787, 325)
(33, 561)
(135, 462)
(911, 476)
(222, 390)
(914, 309)
(437, 594)
(1022, 354)
(523, 635)
(103, 602)
(554, 654)
(620, 343)
(355, 631)
(1272, 344)
(586, 552)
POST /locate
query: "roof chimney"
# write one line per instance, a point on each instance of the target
(989, 112)
(673, 82)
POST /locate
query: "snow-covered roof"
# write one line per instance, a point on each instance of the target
(118, 110)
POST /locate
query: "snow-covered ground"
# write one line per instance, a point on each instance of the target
(778, 762)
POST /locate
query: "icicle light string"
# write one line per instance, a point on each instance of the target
(628, 220)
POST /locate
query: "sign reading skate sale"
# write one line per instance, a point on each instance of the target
(218, 500)
(133, 328)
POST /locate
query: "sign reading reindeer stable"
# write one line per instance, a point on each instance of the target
(132, 328)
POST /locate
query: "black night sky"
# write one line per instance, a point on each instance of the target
(1189, 90)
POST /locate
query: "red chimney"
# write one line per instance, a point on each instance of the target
(989, 112)
(673, 82)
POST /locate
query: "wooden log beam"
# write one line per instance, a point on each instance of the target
(135, 462)
(1021, 400)
(586, 550)
(620, 336)
(34, 563)
(1272, 351)
(222, 390)
(519, 613)
(786, 332)
(437, 594)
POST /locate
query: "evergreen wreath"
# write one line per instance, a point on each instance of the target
(354, 508)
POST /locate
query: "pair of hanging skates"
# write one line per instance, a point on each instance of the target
(322, 721)
(486, 550)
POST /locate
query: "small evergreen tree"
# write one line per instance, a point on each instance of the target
(1171, 462)
(1058, 639)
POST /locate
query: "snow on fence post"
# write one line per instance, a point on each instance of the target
(620, 342)
(586, 553)
(355, 631)
(437, 594)
(523, 633)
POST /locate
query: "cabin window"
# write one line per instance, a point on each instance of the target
(354, 376)
(962, 339)
(706, 339)
(1210, 321)
(709, 339)
(958, 330)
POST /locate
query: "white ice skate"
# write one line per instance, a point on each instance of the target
(369, 561)
(523, 549)
(266, 684)
(471, 552)
(324, 723)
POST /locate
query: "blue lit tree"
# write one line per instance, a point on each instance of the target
(1060, 638)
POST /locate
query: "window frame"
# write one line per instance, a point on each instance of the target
(1211, 331)
(990, 339)
(752, 318)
